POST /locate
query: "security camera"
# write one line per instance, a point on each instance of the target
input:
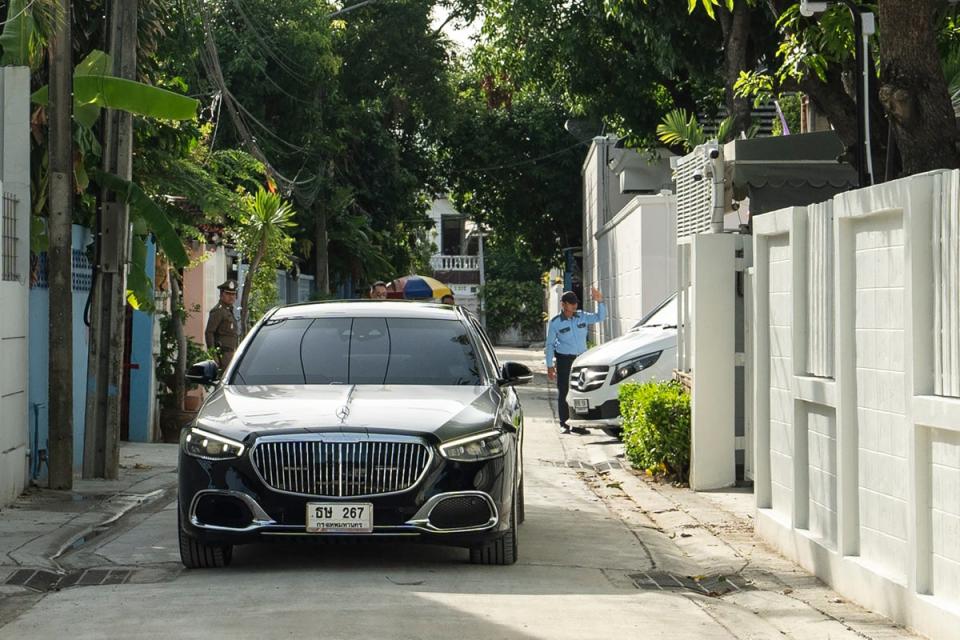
(808, 8)
(714, 154)
(698, 176)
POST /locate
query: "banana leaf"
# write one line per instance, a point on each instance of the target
(15, 39)
(139, 286)
(94, 91)
(157, 221)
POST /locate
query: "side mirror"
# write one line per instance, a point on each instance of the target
(205, 373)
(514, 373)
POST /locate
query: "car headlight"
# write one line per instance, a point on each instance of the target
(626, 369)
(482, 446)
(210, 446)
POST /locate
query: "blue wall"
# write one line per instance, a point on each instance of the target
(141, 380)
(142, 371)
(39, 350)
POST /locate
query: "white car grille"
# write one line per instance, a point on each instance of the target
(587, 378)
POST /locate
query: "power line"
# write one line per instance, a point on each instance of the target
(350, 8)
(20, 13)
(522, 162)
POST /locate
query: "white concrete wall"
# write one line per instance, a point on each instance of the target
(14, 180)
(636, 254)
(712, 300)
(629, 243)
(857, 419)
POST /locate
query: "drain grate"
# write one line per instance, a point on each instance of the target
(42, 580)
(705, 585)
(36, 579)
(600, 467)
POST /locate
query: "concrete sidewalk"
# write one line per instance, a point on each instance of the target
(43, 524)
(705, 535)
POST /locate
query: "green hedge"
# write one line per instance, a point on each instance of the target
(656, 427)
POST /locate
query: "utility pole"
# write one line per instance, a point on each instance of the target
(60, 255)
(101, 447)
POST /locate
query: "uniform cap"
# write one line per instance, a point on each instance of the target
(570, 298)
(229, 285)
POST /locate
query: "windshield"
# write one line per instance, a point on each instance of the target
(360, 351)
(664, 315)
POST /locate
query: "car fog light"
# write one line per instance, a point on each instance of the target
(480, 480)
(210, 446)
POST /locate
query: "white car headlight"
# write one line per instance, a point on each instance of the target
(482, 446)
(209, 446)
(626, 369)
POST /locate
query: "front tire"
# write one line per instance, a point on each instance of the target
(613, 432)
(195, 554)
(502, 550)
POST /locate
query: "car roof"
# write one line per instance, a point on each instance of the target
(369, 309)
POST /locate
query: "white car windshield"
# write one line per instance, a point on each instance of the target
(665, 315)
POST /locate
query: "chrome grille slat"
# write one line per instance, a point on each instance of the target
(316, 467)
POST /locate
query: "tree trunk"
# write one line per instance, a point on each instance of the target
(248, 285)
(178, 384)
(913, 88)
(321, 249)
(736, 38)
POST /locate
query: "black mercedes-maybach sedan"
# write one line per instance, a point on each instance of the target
(359, 419)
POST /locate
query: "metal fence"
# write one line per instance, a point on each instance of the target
(10, 238)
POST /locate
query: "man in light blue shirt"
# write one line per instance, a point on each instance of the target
(566, 339)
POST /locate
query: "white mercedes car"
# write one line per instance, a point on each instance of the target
(647, 352)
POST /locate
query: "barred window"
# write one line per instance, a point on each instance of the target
(10, 237)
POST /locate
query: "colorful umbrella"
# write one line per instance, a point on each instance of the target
(416, 287)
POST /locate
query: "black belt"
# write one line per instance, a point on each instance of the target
(565, 355)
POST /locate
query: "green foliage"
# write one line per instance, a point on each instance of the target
(27, 29)
(510, 258)
(516, 170)
(512, 304)
(261, 235)
(790, 105)
(681, 129)
(166, 362)
(656, 427)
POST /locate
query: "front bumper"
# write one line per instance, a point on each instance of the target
(227, 502)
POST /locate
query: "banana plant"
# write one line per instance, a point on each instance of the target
(94, 89)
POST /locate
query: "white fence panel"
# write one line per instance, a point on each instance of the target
(855, 409)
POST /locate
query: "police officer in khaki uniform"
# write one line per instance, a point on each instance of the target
(221, 333)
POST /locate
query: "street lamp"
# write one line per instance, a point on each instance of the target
(865, 26)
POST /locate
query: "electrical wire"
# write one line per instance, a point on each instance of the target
(522, 162)
(20, 13)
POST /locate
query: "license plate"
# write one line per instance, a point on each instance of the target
(581, 405)
(339, 517)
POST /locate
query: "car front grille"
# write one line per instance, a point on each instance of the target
(587, 378)
(340, 469)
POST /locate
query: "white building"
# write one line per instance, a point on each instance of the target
(14, 285)
(629, 233)
(458, 258)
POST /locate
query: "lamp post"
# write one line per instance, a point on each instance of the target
(864, 25)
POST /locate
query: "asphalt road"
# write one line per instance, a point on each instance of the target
(576, 577)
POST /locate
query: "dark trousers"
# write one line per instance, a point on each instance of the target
(564, 362)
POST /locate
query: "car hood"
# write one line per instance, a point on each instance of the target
(237, 411)
(630, 345)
